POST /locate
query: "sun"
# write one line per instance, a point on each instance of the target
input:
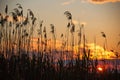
(100, 69)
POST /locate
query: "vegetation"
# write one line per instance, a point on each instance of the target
(16, 45)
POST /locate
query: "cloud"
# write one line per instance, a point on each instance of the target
(75, 22)
(84, 23)
(90, 1)
(102, 1)
(68, 2)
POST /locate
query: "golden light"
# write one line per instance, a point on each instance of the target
(96, 51)
(100, 69)
(99, 52)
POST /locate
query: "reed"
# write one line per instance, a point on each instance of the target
(53, 36)
(16, 45)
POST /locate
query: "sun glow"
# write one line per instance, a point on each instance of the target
(95, 51)
(99, 52)
(100, 69)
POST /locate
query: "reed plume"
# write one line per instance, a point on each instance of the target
(6, 9)
(69, 17)
(53, 35)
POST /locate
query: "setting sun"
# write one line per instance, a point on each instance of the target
(59, 39)
(100, 69)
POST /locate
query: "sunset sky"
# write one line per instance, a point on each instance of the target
(97, 15)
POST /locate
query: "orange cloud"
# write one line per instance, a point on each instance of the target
(96, 51)
(75, 22)
(102, 1)
(90, 1)
(68, 2)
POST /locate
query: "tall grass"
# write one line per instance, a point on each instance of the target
(17, 43)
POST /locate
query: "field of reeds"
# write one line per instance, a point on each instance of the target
(16, 45)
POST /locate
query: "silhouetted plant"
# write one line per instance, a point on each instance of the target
(72, 30)
(69, 17)
(40, 36)
(16, 37)
(105, 43)
(53, 35)
(45, 38)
